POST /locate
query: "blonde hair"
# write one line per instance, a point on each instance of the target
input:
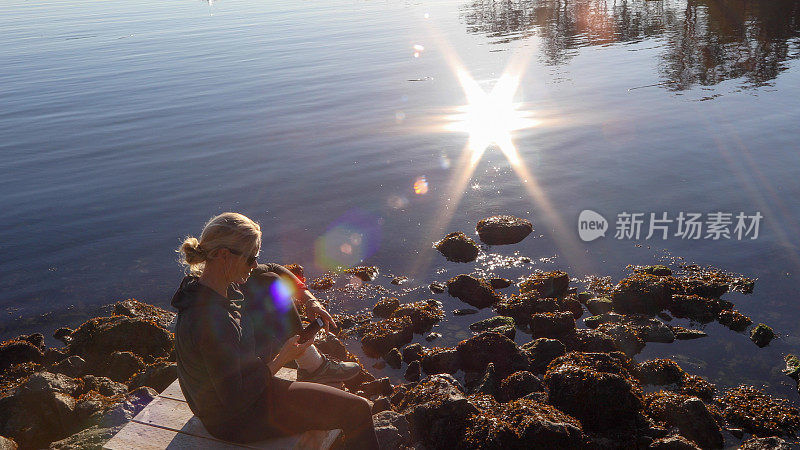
(227, 230)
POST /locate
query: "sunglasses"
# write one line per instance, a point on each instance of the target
(250, 259)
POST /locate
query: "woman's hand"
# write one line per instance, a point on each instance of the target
(315, 309)
(290, 350)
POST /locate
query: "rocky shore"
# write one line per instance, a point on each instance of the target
(572, 384)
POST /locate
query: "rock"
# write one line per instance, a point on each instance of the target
(437, 288)
(738, 433)
(423, 314)
(97, 338)
(64, 335)
(503, 230)
(657, 270)
(36, 339)
(144, 311)
(381, 404)
(695, 307)
(92, 437)
(457, 247)
(393, 358)
(626, 338)
(437, 411)
(599, 305)
(697, 386)
(322, 283)
(330, 345)
(518, 385)
(19, 352)
(734, 320)
(492, 322)
(758, 413)
(473, 291)
(487, 384)
(40, 410)
(399, 280)
(642, 293)
(432, 336)
(593, 321)
(379, 365)
(762, 335)
(688, 414)
(541, 352)
(381, 386)
(591, 341)
(660, 371)
(74, 366)
(521, 424)
(413, 372)
(412, 352)
(684, 334)
(500, 283)
(364, 273)
(385, 307)
(765, 443)
(552, 325)
(7, 444)
(464, 311)
(596, 388)
(158, 376)
(546, 284)
(673, 443)
(697, 285)
(392, 430)
(440, 360)
(120, 366)
(792, 367)
(387, 334)
(475, 353)
(104, 386)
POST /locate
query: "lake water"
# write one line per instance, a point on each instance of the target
(338, 126)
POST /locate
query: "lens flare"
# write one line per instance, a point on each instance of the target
(421, 186)
(349, 240)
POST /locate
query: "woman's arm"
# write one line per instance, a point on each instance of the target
(306, 298)
(291, 350)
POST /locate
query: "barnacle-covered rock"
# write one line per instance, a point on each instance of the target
(457, 247)
(502, 230)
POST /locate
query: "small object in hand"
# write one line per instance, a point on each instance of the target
(311, 330)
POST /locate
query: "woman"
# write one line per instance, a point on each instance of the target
(226, 369)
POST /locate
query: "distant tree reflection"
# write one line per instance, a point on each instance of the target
(706, 41)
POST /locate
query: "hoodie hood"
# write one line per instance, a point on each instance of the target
(192, 293)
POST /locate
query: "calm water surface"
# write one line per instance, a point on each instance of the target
(125, 125)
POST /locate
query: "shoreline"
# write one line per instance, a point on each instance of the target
(567, 387)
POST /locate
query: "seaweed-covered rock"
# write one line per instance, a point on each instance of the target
(765, 443)
(626, 338)
(103, 385)
(74, 366)
(697, 386)
(734, 320)
(642, 293)
(590, 341)
(520, 424)
(541, 352)
(145, 311)
(792, 367)
(385, 307)
(457, 247)
(322, 283)
(552, 325)
(695, 307)
(596, 388)
(492, 322)
(440, 360)
(363, 273)
(97, 338)
(758, 413)
(660, 371)
(387, 334)
(393, 358)
(437, 411)
(710, 286)
(658, 270)
(63, 334)
(120, 366)
(500, 283)
(599, 305)
(472, 291)
(689, 414)
(518, 385)
(158, 376)
(685, 334)
(412, 352)
(399, 280)
(546, 284)
(503, 230)
(423, 314)
(437, 287)
(487, 384)
(475, 353)
(381, 386)
(762, 335)
(330, 345)
(673, 443)
(18, 352)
